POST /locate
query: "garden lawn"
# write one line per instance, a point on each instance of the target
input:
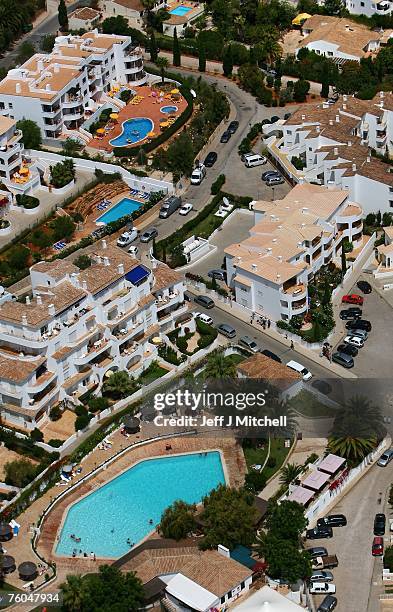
(309, 406)
(236, 358)
(278, 452)
(151, 373)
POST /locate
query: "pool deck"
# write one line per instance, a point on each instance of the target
(148, 107)
(20, 548)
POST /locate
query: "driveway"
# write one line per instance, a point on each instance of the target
(352, 544)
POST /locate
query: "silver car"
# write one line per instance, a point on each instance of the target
(385, 458)
(360, 333)
(321, 576)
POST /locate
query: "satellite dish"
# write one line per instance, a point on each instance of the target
(226, 201)
(193, 93)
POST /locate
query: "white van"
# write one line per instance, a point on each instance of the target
(298, 367)
(204, 318)
(255, 160)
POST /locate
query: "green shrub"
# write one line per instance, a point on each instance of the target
(55, 442)
(98, 404)
(36, 435)
(28, 202)
(255, 481)
(218, 183)
(55, 413)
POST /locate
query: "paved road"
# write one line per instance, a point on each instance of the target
(352, 544)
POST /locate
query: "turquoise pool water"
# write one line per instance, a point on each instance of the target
(123, 507)
(168, 109)
(125, 207)
(180, 11)
(133, 130)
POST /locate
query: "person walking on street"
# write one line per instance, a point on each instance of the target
(292, 345)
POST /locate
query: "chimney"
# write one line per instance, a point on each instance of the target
(318, 129)
(381, 94)
(345, 97)
(335, 150)
(104, 244)
(18, 88)
(84, 285)
(303, 117)
(74, 279)
(40, 65)
(354, 167)
(330, 121)
(223, 551)
(51, 310)
(304, 209)
(56, 68)
(344, 107)
(24, 320)
(39, 299)
(337, 118)
(350, 143)
(27, 300)
(106, 261)
(279, 258)
(269, 249)
(48, 87)
(120, 268)
(254, 266)
(278, 276)
(368, 159)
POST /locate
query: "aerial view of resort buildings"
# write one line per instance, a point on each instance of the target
(196, 305)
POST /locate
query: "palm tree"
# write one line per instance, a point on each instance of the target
(354, 450)
(218, 367)
(359, 418)
(289, 473)
(119, 384)
(74, 591)
(269, 47)
(162, 63)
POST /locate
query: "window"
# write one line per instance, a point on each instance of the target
(2, 106)
(330, 53)
(222, 600)
(391, 203)
(10, 105)
(362, 4)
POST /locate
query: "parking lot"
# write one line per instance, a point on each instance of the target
(375, 358)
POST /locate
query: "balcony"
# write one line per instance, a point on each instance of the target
(42, 381)
(93, 350)
(72, 101)
(74, 114)
(164, 300)
(43, 397)
(293, 292)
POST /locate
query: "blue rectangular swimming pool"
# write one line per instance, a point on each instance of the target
(181, 10)
(126, 509)
(126, 206)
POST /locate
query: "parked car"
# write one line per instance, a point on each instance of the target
(204, 318)
(333, 520)
(188, 296)
(127, 237)
(364, 286)
(225, 137)
(347, 349)
(275, 180)
(298, 367)
(344, 360)
(249, 343)
(379, 524)
(149, 234)
(219, 274)
(377, 547)
(359, 324)
(328, 604)
(356, 311)
(317, 588)
(226, 330)
(197, 175)
(255, 160)
(233, 127)
(270, 354)
(269, 174)
(317, 551)
(204, 300)
(385, 458)
(326, 562)
(185, 209)
(244, 156)
(360, 333)
(133, 250)
(354, 341)
(348, 314)
(210, 159)
(321, 531)
(321, 576)
(352, 298)
(169, 206)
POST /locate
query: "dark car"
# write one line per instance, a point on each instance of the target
(333, 520)
(188, 296)
(287, 115)
(377, 547)
(149, 234)
(359, 324)
(204, 300)
(322, 531)
(348, 314)
(379, 524)
(347, 349)
(210, 159)
(270, 354)
(364, 286)
(344, 360)
(328, 604)
(226, 330)
(269, 174)
(317, 551)
(233, 127)
(219, 274)
(225, 137)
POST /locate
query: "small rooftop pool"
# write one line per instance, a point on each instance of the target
(181, 10)
(129, 506)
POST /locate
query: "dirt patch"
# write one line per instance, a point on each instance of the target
(192, 343)
(61, 429)
(6, 456)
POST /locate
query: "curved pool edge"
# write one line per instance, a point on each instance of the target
(130, 144)
(114, 477)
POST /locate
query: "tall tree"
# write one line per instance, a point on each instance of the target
(162, 64)
(31, 133)
(286, 521)
(62, 16)
(227, 61)
(153, 47)
(74, 591)
(178, 520)
(119, 384)
(284, 559)
(202, 58)
(325, 88)
(176, 50)
(289, 473)
(218, 366)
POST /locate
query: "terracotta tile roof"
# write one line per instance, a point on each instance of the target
(261, 366)
(157, 562)
(85, 14)
(216, 573)
(133, 5)
(56, 269)
(18, 370)
(5, 124)
(76, 378)
(164, 277)
(99, 275)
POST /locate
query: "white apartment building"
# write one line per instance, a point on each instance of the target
(11, 148)
(291, 240)
(58, 90)
(369, 7)
(340, 39)
(384, 254)
(334, 142)
(80, 324)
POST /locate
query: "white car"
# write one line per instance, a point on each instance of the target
(198, 174)
(322, 588)
(298, 367)
(185, 209)
(127, 237)
(354, 341)
(133, 250)
(204, 318)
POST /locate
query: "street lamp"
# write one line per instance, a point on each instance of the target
(272, 194)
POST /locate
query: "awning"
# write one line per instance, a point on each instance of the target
(315, 480)
(190, 593)
(131, 424)
(301, 496)
(331, 463)
(137, 275)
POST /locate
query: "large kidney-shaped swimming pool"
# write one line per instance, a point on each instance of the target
(122, 509)
(133, 130)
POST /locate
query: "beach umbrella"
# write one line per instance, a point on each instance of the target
(175, 91)
(131, 424)
(108, 373)
(100, 131)
(156, 340)
(6, 532)
(8, 564)
(27, 571)
(164, 124)
(114, 115)
(151, 134)
(154, 93)
(299, 19)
